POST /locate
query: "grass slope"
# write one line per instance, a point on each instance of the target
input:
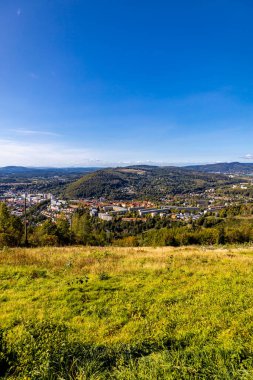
(125, 313)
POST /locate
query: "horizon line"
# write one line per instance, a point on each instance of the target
(124, 164)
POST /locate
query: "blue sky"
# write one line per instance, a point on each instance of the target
(95, 82)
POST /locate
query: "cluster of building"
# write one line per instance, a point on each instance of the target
(58, 207)
(177, 207)
(17, 202)
(107, 213)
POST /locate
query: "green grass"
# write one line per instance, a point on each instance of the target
(126, 313)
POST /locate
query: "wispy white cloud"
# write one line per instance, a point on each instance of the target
(39, 154)
(44, 154)
(19, 12)
(248, 156)
(31, 132)
(56, 154)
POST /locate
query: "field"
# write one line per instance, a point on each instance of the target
(126, 313)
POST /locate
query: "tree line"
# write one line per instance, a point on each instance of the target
(85, 230)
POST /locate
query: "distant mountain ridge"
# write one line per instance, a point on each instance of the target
(221, 167)
(19, 170)
(224, 167)
(14, 169)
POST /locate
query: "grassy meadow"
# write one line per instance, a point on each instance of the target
(126, 313)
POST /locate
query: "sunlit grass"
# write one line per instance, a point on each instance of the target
(185, 307)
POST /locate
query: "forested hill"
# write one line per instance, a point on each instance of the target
(22, 171)
(224, 167)
(151, 182)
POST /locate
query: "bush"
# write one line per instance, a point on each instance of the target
(6, 240)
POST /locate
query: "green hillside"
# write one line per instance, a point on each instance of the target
(142, 182)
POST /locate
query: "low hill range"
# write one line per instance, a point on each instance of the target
(136, 181)
(22, 171)
(224, 167)
(144, 182)
(220, 167)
